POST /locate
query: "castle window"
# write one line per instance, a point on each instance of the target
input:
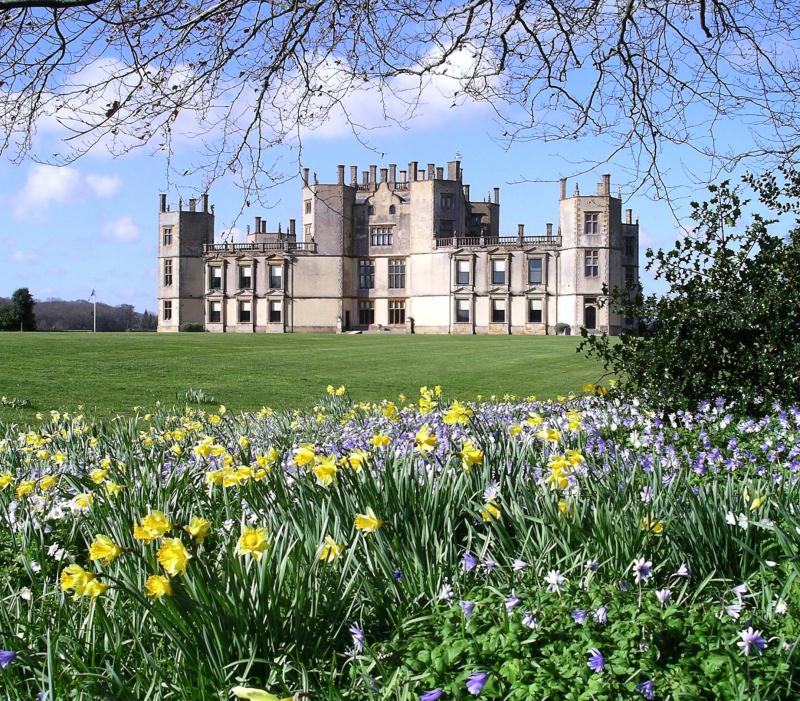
(380, 236)
(446, 200)
(630, 244)
(245, 312)
(591, 222)
(371, 209)
(397, 312)
(534, 271)
(366, 313)
(366, 274)
(462, 311)
(308, 206)
(591, 266)
(275, 312)
(215, 277)
(498, 311)
(397, 273)
(534, 311)
(214, 312)
(392, 209)
(498, 271)
(167, 272)
(167, 235)
(276, 277)
(245, 277)
(166, 312)
(306, 232)
(462, 272)
(630, 276)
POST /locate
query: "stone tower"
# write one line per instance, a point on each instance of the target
(182, 234)
(593, 251)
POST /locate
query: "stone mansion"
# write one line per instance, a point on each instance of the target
(405, 251)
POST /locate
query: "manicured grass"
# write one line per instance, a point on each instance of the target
(112, 372)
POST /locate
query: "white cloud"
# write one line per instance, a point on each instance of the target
(123, 229)
(23, 256)
(103, 185)
(47, 185)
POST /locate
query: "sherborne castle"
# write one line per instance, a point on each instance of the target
(398, 252)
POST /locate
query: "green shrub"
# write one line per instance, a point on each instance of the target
(189, 327)
(726, 326)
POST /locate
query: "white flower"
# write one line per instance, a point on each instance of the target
(25, 594)
(734, 610)
(554, 581)
(780, 606)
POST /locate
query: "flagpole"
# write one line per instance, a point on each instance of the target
(94, 315)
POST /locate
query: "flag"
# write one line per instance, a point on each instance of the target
(91, 296)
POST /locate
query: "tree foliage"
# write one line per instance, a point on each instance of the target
(76, 315)
(238, 77)
(18, 314)
(727, 327)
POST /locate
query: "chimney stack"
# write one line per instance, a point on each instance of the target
(520, 230)
(454, 170)
(258, 225)
(403, 176)
(497, 195)
(392, 173)
(340, 174)
(549, 226)
(192, 204)
(384, 174)
(292, 225)
(354, 175)
(162, 202)
(440, 173)
(204, 200)
(431, 171)
(412, 171)
(365, 177)
(263, 226)
(466, 192)
(373, 176)
(563, 194)
(629, 216)
(605, 188)
(305, 176)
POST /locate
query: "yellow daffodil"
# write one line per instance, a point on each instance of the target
(25, 488)
(304, 455)
(198, 528)
(356, 459)
(380, 440)
(470, 455)
(243, 692)
(652, 525)
(330, 549)
(425, 441)
(368, 522)
(94, 588)
(74, 577)
(390, 411)
(552, 435)
(253, 542)
(97, 475)
(83, 501)
(158, 585)
(490, 510)
(325, 470)
(458, 413)
(534, 420)
(758, 501)
(514, 430)
(153, 526)
(112, 488)
(59, 458)
(173, 556)
(6, 479)
(104, 549)
(575, 457)
(47, 482)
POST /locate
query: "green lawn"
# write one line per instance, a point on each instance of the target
(112, 372)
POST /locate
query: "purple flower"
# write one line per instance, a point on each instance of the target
(512, 601)
(6, 658)
(740, 591)
(734, 610)
(358, 638)
(398, 574)
(519, 565)
(488, 563)
(476, 682)
(596, 660)
(683, 571)
(663, 595)
(642, 569)
(647, 689)
(751, 640)
(431, 695)
(600, 615)
(579, 616)
(529, 620)
(466, 607)
(469, 562)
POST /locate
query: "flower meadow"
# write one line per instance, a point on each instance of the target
(425, 548)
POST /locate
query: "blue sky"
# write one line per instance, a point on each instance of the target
(93, 224)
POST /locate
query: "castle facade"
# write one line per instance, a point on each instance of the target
(400, 252)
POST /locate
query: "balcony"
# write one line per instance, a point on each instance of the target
(264, 247)
(495, 241)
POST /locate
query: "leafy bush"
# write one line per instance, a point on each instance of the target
(727, 326)
(190, 327)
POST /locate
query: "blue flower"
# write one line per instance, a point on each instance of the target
(751, 640)
(519, 565)
(647, 689)
(466, 607)
(512, 601)
(358, 638)
(469, 562)
(6, 658)
(398, 574)
(476, 682)
(431, 695)
(579, 616)
(596, 661)
(600, 615)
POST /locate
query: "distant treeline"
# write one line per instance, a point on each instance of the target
(76, 315)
